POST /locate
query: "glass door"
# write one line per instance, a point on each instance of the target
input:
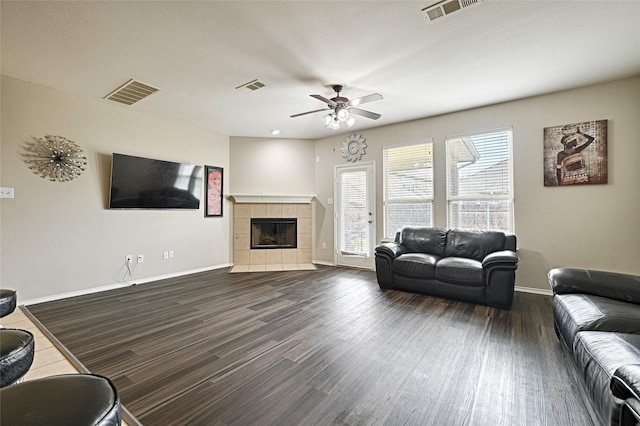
(355, 215)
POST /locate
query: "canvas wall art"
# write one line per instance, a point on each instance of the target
(213, 205)
(576, 154)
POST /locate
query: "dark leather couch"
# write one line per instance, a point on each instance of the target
(597, 318)
(473, 266)
(625, 385)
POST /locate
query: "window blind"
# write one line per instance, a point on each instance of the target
(480, 181)
(353, 212)
(408, 186)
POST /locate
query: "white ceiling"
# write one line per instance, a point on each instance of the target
(197, 53)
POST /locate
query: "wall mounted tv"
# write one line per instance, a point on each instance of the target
(145, 183)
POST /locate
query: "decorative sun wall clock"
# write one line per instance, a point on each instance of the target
(353, 147)
(55, 157)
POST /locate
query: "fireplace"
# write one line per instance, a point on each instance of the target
(274, 233)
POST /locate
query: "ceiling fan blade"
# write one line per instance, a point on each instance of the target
(369, 98)
(323, 99)
(310, 112)
(362, 112)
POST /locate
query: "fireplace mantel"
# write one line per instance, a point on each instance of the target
(273, 198)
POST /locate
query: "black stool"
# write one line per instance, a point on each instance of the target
(16, 354)
(68, 399)
(7, 301)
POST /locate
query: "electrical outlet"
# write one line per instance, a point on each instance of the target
(170, 253)
(324, 246)
(128, 259)
(6, 192)
(165, 255)
(140, 258)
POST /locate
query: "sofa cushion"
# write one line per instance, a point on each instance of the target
(424, 240)
(459, 270)
(597, 356)
(473, 244)
(419, 265)
(576, 312)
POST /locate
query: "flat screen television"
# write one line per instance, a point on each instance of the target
(145, 183)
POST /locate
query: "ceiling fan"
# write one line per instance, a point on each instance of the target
(342, 108)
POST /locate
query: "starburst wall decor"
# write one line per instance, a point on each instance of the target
(55, 157)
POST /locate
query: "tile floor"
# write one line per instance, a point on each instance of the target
(47, 360)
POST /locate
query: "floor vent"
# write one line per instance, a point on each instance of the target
(446, 7)
(131, 92)
(251, 86)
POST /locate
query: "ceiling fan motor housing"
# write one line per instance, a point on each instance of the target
(337, 98)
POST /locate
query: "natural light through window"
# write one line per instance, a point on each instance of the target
(408, 186)
(480, 181)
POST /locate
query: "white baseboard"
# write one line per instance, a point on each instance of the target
(179, 274)
(545, 292)
(321, 262)
(194, 271)
(119, 285)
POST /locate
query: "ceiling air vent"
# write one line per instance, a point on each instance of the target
(131, 92)
(251, 86)
(446, 7)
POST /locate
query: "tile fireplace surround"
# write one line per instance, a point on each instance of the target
(260, 260)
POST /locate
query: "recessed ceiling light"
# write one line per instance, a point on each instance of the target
(275, 132)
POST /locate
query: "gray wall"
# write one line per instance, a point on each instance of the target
(271, 166)
(60, 238)
(591, 226)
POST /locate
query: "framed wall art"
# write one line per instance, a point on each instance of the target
(213, 200)
(576, 154)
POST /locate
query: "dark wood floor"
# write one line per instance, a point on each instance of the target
(324, 347)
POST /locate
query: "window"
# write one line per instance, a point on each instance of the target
(480, 181)
(408, 186)
(354, 211)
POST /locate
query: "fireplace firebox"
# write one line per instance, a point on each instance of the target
(274, 233)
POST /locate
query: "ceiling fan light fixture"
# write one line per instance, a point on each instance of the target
(334, 124)
(342, 110)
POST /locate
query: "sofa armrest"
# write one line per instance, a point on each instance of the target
(506, 258)
(625, 382)
(630, 412)
(392, 250)
(385, 254)
(613, 285)
(625, 385)
(500, 274)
